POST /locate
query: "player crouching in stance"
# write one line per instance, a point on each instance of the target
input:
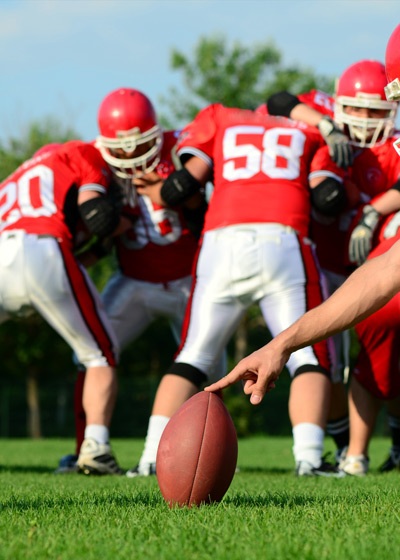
(254, 249)
(155, 256)
(46, 200)
(366, 291)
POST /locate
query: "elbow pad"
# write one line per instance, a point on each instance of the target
(282, 103)
(329, 197)
(179, 186)
(99, 216)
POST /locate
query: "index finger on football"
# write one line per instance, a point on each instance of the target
(235, 375)
(239, 372)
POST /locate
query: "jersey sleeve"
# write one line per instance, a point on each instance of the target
(318, 100)
(197, 138)
(323, 166)
(91, 170)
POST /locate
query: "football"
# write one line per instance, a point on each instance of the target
(197, 454)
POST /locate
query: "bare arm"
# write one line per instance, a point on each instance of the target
(387, 203)
(306, 114)
(368, 289)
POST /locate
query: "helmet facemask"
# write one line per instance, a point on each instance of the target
(133, 153)
(366, 132)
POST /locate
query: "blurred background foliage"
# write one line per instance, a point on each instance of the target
(37, 372)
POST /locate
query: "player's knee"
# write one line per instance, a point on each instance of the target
(191, 373)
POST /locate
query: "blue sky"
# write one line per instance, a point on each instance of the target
(61, 57)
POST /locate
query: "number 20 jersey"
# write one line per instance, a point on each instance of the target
(40, 197)
(260, 168)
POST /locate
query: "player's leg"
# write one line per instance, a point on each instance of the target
(377, 371)
(393, 414)
(209, 323)
(68, 463)
(363, 408)
(67, 299)
(337, 425)
(298, 288)
(125, 304)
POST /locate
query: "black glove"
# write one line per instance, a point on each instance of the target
(338, 143)
(361, 237)
(116, 195)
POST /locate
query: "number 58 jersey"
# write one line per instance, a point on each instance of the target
(261, 165)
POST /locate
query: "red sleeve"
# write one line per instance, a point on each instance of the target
(318, 100)
(198, 137)
(89, 167)
(323, 166)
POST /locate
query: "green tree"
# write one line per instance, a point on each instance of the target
(15, 151)
(236, 76)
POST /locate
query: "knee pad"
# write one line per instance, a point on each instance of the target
(311, 369)
(191, 373)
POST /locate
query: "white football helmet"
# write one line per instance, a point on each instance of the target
(362, 85)
(130, 138)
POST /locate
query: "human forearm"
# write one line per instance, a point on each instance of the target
(388, 202)
(364, 292)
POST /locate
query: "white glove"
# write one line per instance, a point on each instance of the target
(361, 237)
(337, 141)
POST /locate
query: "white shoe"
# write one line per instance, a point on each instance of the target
(356, 465)
(96, 458)
(304, 468)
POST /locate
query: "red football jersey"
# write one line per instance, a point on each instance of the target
(260, 164)
(374, 171)
(318, 100)
(159, 247)
(41, 195)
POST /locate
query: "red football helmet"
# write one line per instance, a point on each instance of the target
(130, 138)
(362, 85)
(392, 62)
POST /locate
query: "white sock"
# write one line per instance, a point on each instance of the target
(308, 443)
(155, 429)
(97, 432)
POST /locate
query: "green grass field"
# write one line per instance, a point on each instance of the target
(267, 513)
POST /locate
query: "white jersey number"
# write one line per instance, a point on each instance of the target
(159, 226)
(279, 158)
(39, 179)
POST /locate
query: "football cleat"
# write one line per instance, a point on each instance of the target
(147, 469)
(355, 465)
(392, 462)
(67, 465)
(96, 458)
(304, 468)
